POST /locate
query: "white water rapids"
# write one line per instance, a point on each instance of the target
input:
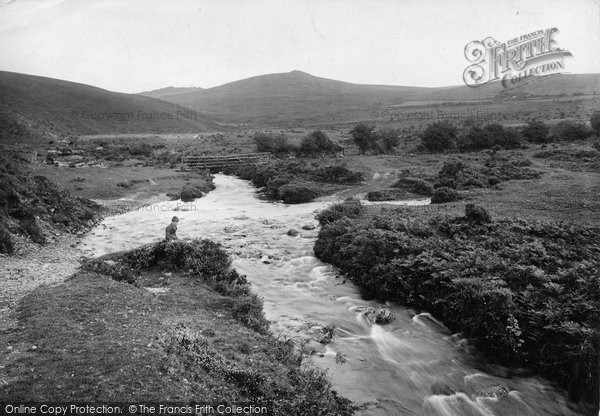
(412, 366)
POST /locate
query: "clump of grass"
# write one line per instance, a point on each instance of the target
(444, 194)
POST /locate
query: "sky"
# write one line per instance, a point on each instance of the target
(133, 46)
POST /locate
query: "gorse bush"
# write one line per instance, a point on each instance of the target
(316, 143)
(571, 131)
(381, 195)
(297, 194)
(202, 259)
(387, 139)
(536, 132)
(363, 135)
(339, 174)
(27, 201)
(296, 390)
(273, 143)
(444, 194)
(288, 180)
(140, 149)
(367, 138)
(534, 284)
(28, 224)
(488, 136)
(349, 209)
(197, 189)
(313, 144)
(415, 185)
(439, 136)
(460, 176)
(6, 240)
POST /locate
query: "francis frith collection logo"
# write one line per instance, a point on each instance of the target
(511, 62)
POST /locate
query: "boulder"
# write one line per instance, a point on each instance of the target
(493, 392)
(309, 227)
(190, 193)
(377, 315)
(292, 233)
(231, 229)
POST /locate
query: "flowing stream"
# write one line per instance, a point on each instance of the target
(412, 366)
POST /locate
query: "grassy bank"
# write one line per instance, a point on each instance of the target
(296, 181)
(166, 322)
(32, 206)
(534, 284)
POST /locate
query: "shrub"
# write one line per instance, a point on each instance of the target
(339, 174)
(190, 193)
(381, 195)
(415, 185)
(297, 194)
(28, 224)
(203, 259)
(477, 214)
(451, 169)
(317, 142)
(272, 143)
(536, 132)
(197, 189)
(595, 123)
(388, 139)
(439, 136)
(274, 184)
(492, 181)
(248, 310)
(571, 131)
(350, 209)
(533, 284)
(444, 194)
(364, 136)
(472, 182)
(491, 135)
(141, 149)
(6, 241)
(9, 199)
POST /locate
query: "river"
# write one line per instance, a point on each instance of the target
(411, 366)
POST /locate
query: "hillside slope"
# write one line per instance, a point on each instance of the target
(32, 107)
(296, 97)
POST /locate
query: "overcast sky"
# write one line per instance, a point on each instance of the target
(132, 46)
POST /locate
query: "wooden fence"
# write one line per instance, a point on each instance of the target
(219, 162)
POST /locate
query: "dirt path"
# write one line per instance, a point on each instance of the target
(33, 266)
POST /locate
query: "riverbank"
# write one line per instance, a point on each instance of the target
(533, 283)
(166, 322)
(42, 220)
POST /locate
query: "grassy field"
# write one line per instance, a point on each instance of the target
(137, 183)
(567, 190)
